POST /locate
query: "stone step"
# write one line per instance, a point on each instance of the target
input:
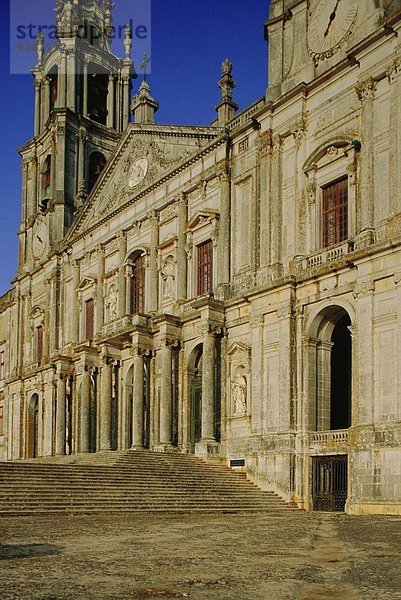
(132, 481)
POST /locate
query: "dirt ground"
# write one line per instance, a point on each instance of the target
(296, 556)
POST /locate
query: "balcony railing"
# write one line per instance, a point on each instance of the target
(327, 255)
(325, 438)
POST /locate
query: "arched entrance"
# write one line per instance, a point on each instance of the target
(330, 402)
(195, 387)
(330, 370)
(33, 427)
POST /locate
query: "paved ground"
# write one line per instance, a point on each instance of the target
(243, 557)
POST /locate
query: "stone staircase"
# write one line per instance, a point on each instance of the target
(130, 481)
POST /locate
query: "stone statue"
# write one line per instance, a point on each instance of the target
(112, 302)
(239, 388)
(168, 276)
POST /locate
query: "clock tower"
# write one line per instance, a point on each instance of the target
(312, 36)
(82, 106)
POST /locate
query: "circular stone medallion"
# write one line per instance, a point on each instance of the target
(137, 172)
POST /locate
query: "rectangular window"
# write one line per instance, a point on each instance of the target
(335, 213)
(89, 319)
(205, 268)
(1, 420)
(2, 366)
(138, 286)
(243, 145)
(39, 344)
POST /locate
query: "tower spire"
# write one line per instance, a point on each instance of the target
(226, 108)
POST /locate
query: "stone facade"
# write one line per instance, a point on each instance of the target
(282, 349)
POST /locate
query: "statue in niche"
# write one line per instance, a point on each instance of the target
(112, 302)
(168, 276)
(239, 388)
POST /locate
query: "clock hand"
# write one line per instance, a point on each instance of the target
(332, 17)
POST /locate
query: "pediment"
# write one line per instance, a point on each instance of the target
(140, 161)
(239, 348)
(86, 282)
(202, 217)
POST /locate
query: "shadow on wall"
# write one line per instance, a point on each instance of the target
(28, 551)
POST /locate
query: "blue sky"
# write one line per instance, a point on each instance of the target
(189, 41)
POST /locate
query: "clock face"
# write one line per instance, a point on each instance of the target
(137, 172)
(40, 242)
(329, 24)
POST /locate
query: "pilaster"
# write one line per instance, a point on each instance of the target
(365, 223)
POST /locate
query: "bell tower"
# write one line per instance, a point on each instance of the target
(82, 106)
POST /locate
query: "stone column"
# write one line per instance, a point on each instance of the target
(258, 389)
(99, 289)
(63, 81)
(166, 394)
(299, 224)
(53, 313)
(38, 88)
(264, 174)
(106, 405)
(81, 158)
(323, 412)
(182, 271)
(126, 104)
(85, 98)
(138, 401)
(61, 416)
(122, 286)
(308, 420)
(276, 207)
(365, 224)
(224, 230)
(154, 273)
(397, 281)
(395, 145)
(75, 304)
(71, 81)
(208, 386)
(111, 102)
(363, 401)
(45, 101)
(85, 410)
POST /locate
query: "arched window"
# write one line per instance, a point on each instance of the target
(138, 285)
(97, 163)
(53, 78)
(46, 175)
(98, 84)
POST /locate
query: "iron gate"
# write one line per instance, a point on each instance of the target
(330, 482)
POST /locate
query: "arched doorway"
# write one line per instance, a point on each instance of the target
(33, 427)
(330, 370)
(329, 377)
(195, 387)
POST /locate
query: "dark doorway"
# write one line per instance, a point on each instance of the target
(341, 368)
(33, 428)
(196, 402)
(330, 483)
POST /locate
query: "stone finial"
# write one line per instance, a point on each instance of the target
(226, 108)
(128, 42)
(40, 47)
(227, 83)
(59, 7)
(143, 105)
